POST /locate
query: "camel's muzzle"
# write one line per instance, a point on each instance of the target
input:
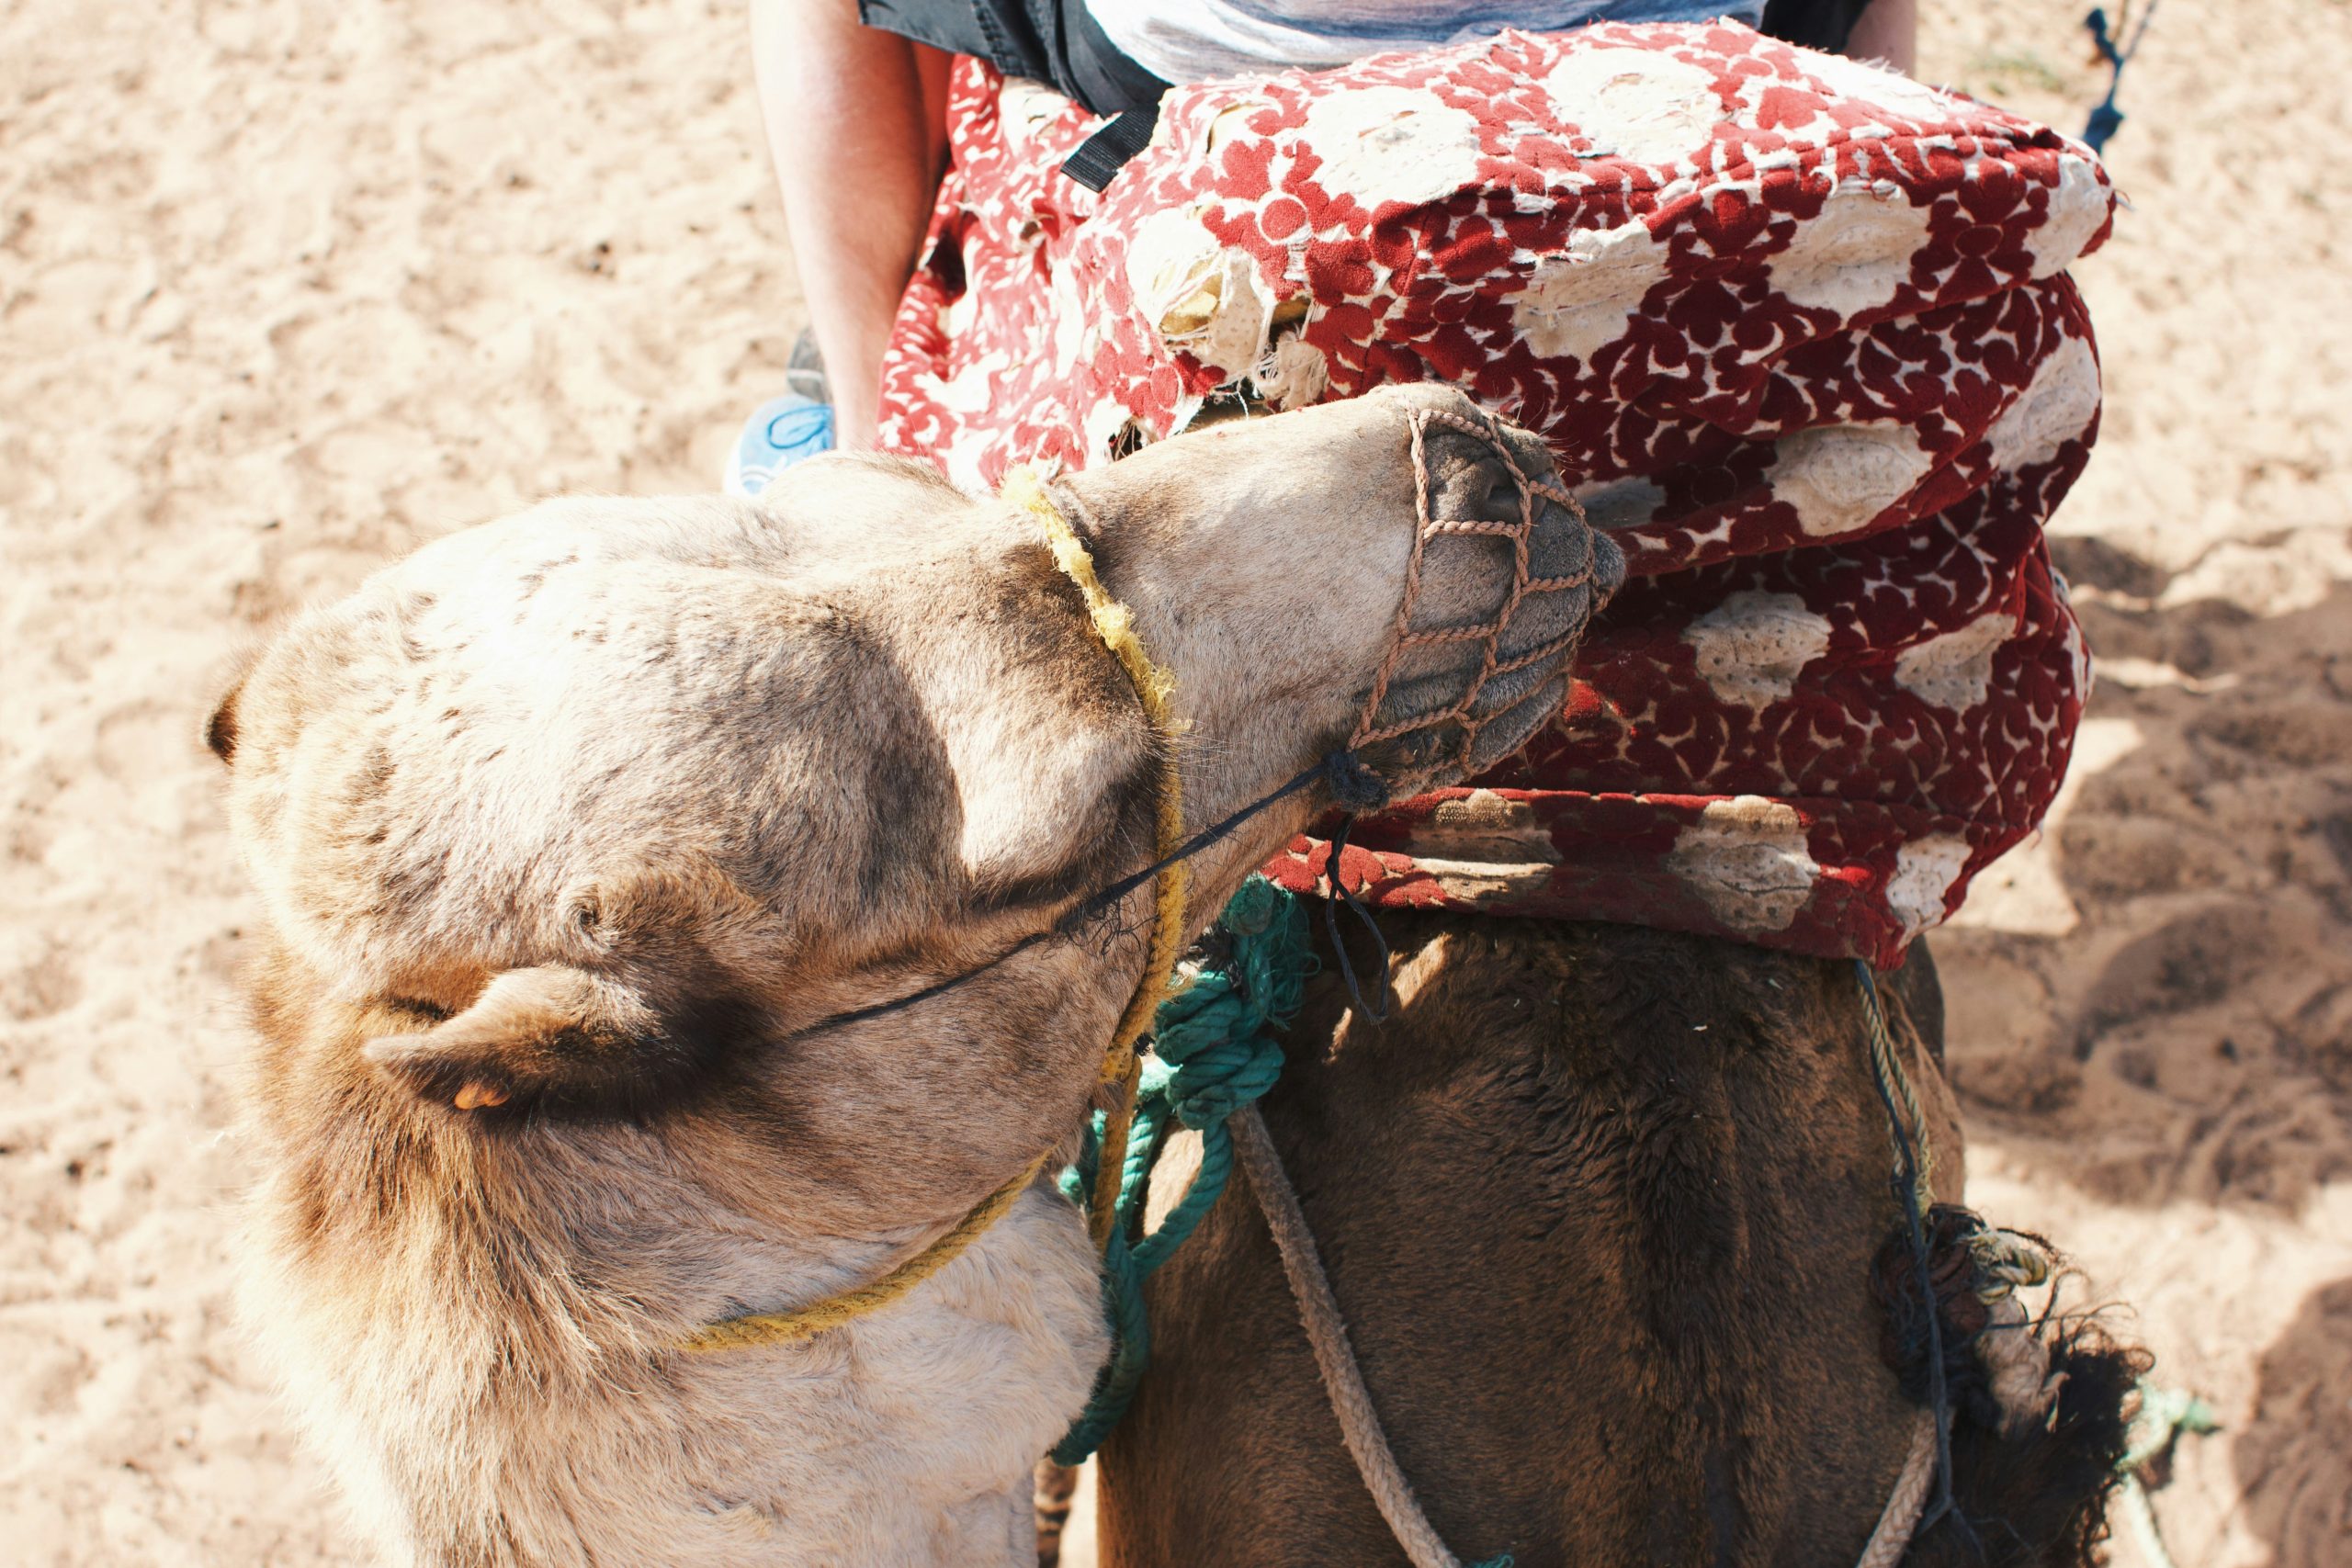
(1497, 597)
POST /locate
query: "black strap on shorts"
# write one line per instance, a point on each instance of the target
(1054, 41)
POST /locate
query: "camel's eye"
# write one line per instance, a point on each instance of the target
(418, 1008)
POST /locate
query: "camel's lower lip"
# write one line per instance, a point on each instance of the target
(1424, 696)
(1509, 718)
(1514, 724)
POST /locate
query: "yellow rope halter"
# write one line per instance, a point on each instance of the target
(1121, 1065)
(1153, 686)
(807, 1323)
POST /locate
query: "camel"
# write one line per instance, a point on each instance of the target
(653, 893)
(1601, 1206)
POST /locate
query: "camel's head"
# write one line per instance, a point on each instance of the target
(610, 807)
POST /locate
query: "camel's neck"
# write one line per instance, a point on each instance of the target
(518, 1398)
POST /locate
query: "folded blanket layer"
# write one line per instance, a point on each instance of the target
(1799, 332)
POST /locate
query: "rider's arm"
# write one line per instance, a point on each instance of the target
(856, 123)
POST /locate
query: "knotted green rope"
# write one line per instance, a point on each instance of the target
(1213, 1052)
(2164, 1414)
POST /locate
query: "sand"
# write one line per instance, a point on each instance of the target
(285, 288)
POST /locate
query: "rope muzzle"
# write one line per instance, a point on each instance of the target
(1420, 640)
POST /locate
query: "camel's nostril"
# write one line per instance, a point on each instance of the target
(1556, 548)
(1486, 497)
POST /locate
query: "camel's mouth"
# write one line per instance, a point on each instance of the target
(1517, 704)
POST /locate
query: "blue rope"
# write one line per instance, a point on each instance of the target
(1911, 1198)
(2106, 118)
(1214, 1050)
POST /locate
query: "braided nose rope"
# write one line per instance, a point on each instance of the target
(761, 1329)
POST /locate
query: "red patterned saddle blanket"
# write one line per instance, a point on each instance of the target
(1799, 332)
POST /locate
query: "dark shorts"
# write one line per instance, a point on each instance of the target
(1045, 40)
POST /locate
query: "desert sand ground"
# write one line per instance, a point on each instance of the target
(288, 288)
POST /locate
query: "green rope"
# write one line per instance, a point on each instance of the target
(1214, 1050)
(2164, 1414)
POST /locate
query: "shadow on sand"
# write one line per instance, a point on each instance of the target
(2160, 1007)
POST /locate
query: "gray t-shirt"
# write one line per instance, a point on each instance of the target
(1192, 40)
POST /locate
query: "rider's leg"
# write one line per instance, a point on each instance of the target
(857, 120)
(1888, 30)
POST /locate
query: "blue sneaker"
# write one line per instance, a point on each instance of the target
(787, 429)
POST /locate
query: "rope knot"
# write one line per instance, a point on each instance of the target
(1212, 1052)
(1253, 908)
(1214, 1055)
(1355, 788)
(1214, 1039)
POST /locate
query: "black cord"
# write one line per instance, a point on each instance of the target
(1342, 770)
(1342, 894)
(1068, 924)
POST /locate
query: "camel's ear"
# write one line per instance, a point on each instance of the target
(220, 730)
(553, 1031)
